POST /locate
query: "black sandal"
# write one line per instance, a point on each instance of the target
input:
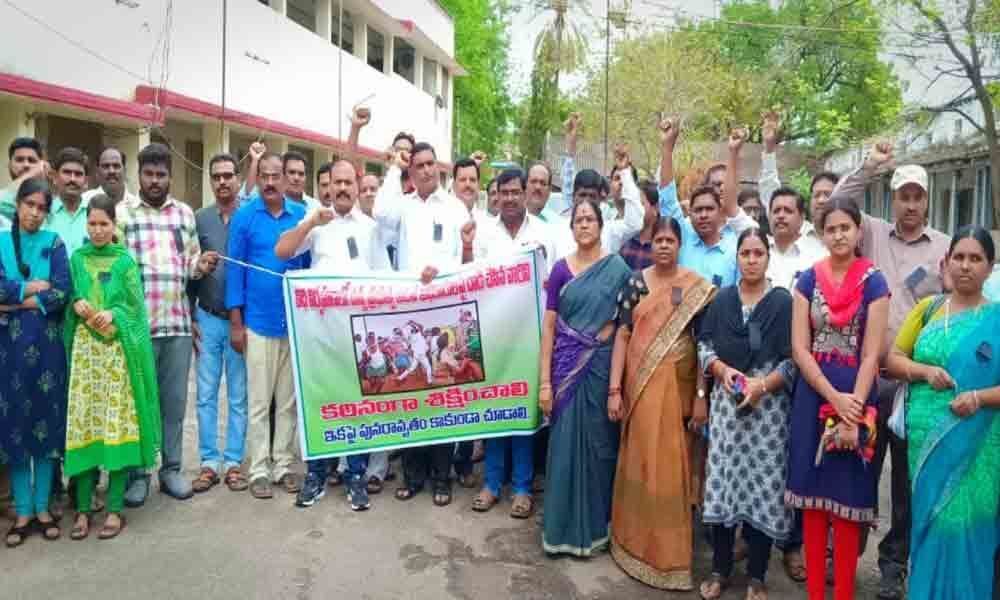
(46, 528)
(374, 485)
(22, 534)
(406, 493)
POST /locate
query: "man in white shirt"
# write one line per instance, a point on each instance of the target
(791, 252)
(416, 339)
(429, 227)
(587, 184)
(341, 240)
(514, 231)
(432, 232)
(110, 176)
(465, 185)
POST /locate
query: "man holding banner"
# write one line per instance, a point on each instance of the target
(512, 233)
(344, 241)
(432, 232)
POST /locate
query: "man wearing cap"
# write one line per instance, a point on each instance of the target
(909, 254)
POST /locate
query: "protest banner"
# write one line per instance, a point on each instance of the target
(384, 362)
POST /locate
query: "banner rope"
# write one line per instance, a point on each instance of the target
(249, 266)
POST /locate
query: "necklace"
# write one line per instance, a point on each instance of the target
(947, 312)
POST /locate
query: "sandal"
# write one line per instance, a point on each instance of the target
(484, 501)
(80, 532)
(406, 493)
(109, 532)
(236, 481)
(20, 533)
(207, 479)
(756, 590)
(374, 485)
(290, 482)
(713, 587)
(442, 496)
(49, 529)
(795, 567)
(523, 507)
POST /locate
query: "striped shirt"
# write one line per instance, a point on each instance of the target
(164, 242)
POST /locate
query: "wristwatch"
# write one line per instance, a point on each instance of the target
(701, 394)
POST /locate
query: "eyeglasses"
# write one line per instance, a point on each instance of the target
(222, 176)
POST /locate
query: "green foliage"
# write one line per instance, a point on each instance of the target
(483, 107)
(668, 73)
(800, 180)
(822, 68)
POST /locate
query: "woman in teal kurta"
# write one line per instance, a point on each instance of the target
(947, 350)
(113, 413)
(34, 287)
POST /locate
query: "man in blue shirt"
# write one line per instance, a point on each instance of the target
(708, 244)
(258, 330)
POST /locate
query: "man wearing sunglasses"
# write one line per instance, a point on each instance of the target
(215, 355)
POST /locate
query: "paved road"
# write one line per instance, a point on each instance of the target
(223, 545)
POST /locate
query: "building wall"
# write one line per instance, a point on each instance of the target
(275, 68)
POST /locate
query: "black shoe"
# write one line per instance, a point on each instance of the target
(357, 494)
(892, 585)
(312, 490)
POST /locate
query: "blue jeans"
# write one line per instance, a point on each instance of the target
(216, 355)
(31, 494)
(522, 452)
(357, 465)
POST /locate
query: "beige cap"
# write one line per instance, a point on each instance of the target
(909, 174)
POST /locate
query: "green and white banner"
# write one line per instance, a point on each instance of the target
(384, 362)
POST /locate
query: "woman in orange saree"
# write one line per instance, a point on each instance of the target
(662, 411)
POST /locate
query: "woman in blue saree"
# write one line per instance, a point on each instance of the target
(947, 350)
(577, 336)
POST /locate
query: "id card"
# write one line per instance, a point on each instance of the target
(352, 247)
(438, 232)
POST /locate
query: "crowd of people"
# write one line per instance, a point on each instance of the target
(693, 367)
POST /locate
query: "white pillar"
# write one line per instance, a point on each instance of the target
(389, 52)
(215, 139)
(360, 37)
(131, 145)
(280, 7)
(16, 120)
(325, 10)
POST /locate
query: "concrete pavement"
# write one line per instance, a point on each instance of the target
(223, 545)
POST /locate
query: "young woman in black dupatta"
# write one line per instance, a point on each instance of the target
(745, 344)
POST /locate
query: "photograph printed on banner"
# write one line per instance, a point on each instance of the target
(419, 349)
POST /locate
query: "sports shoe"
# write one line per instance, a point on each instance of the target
(312, 490)
(357, 494)
(138, 490)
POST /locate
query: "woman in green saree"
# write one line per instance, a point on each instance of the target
(113, 416)
(948, 352)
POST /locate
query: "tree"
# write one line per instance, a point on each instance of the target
(483, 108)
(559, 48)
(820, 63)
(962, 45)
(669, 73)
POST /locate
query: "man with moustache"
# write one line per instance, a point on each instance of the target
(432, 231)
(258, 328)
(465, 186)
(110, 176)
(324, 185)
(709, 233)
(343, 241)
(68, 217)
(514, 231)
(909, 254)
(820, 189)
(791, 252)
(293, 166)
(368, 188)
(161, 234)
(215, 354)
(24, 161)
